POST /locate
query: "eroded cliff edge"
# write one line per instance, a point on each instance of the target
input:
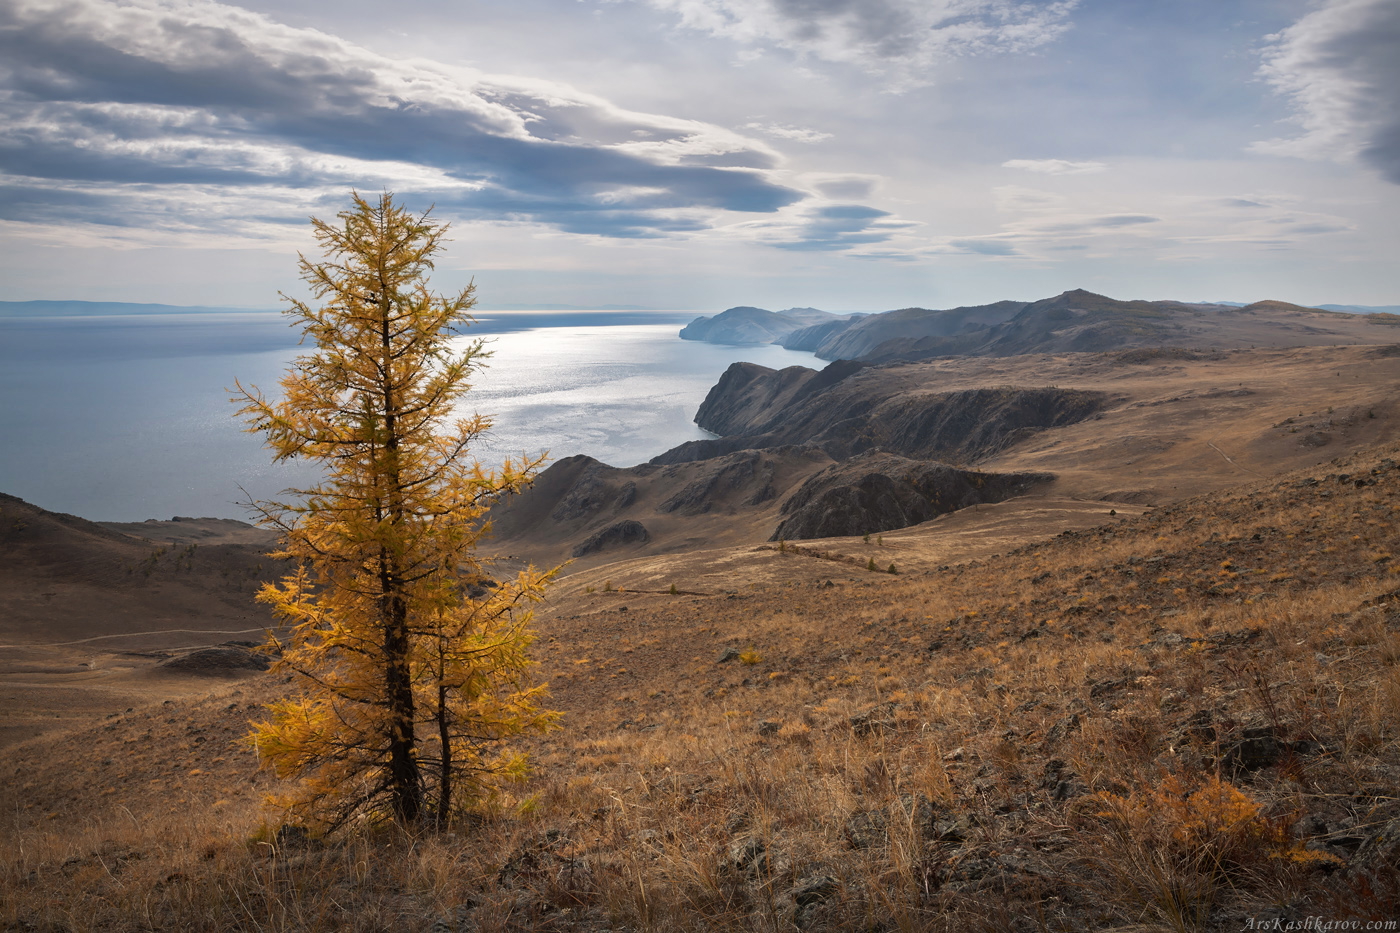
(850, 407)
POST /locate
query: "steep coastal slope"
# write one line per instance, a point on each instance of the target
(847, 409)
(582, 509)
(1148, 424)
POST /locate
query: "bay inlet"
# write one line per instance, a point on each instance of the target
(124, 417)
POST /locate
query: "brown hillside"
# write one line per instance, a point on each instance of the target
(1150, 426)
(86, 609)
(1159, 722)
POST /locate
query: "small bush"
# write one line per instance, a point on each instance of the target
(750, 657)
(1210, 830)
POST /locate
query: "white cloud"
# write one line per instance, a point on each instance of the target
(1340, 65)
(898, 38)
(1055, 166)
(798, 134)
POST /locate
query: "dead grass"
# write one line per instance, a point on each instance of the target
(1172, 723)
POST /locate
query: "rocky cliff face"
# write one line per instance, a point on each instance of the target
(750, 399)
(848, 408)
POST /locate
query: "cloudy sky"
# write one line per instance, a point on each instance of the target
(696, 154)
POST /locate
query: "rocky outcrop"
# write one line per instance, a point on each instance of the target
(618, 534)
(847, 409)
(583, 508)
(224, 660)
(880, 492)
(747, 473)
(572, 494)
(748, 326)
(748, 399)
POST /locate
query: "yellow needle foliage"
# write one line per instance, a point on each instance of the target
(411, 663)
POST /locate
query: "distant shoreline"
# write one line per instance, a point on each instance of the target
(45, 308)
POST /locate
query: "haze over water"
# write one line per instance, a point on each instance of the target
(126, 417)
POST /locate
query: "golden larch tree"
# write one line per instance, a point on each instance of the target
(411, 663)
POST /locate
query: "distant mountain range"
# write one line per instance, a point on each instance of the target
(1075, 321)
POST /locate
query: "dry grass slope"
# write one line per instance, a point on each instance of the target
(1177, 721)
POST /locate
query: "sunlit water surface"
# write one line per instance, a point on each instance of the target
(127, 418)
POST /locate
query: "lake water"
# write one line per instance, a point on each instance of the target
(124, 418)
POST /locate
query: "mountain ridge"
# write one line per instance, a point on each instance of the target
(1073, 321)
(746, 325)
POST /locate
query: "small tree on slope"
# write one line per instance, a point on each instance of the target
(407, 683)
